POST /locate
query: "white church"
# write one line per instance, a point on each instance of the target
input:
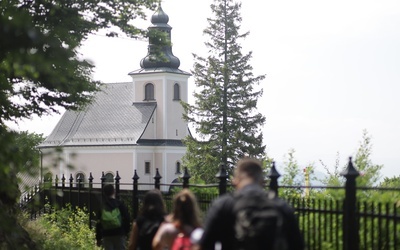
(129, 126)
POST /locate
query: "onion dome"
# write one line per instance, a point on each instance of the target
(153, 59)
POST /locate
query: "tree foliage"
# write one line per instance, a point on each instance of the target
(292, 176)
(39, 62)
(369, 172)
(226, 123)
(18, 154)
(42, 70)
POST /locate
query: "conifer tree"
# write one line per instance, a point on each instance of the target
(224, 116)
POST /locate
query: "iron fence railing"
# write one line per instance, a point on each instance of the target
(345, 222)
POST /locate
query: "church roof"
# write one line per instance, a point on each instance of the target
(112, 119)
(158, 70)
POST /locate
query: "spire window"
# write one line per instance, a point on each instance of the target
(177, 92)
(149, 92)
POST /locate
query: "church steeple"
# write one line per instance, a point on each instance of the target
(159, 22)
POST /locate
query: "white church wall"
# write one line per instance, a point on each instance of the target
(150, 132)
(175, 126)
(144, 156)
(107, 162)
(86, 161)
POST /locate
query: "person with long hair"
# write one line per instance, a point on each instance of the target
(184, 219)
(151, 215)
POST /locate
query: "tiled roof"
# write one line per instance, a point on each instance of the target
(112, 119)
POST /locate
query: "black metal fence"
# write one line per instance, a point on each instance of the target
(327, 223)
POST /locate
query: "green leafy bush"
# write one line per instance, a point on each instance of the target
(63, 229)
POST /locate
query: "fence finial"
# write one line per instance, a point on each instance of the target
(350, 171)
(135, 176)
(71, 179)
(186, 176)
(90, 177)
(273, 175)
(117, 177)
(90, 180)
(186, 173)
(103, 177)
(63, 181)
(222, 175)
(157, 179)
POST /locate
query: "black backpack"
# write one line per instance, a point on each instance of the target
(147, 229)
(259, 223)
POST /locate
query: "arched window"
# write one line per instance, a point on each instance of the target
(176, 92)
(109, 178)
(149, 92)
(178, 168)
(80, 176)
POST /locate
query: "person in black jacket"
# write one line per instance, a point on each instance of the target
(221, 226)
(112, 238)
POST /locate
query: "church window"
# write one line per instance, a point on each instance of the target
(109, 178)
(178, 168)
(176, 92)
(149, 92)
(147, 167)
(48, 177)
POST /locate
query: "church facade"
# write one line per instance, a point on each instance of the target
(129, 126)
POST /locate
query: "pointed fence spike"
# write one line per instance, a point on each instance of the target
(350, 170)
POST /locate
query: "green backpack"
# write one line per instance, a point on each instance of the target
(111, 219)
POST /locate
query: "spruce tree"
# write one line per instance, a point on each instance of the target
(224, 116)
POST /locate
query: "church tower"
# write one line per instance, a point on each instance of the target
(160, 81)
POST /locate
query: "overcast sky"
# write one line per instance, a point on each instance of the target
(332, 70)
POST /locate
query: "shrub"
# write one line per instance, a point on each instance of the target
(63, 229)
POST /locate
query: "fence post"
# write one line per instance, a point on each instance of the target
(71, 179)
(186, 176)
(79, 180)
(90, 199)
(135, 199)
(117, 178)
(157, 179)
(55, 202)
(350, 220)
(273, 176)
(33, 213)
(103, 179)
(62, 190)
(90, 181)
(222, 175)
